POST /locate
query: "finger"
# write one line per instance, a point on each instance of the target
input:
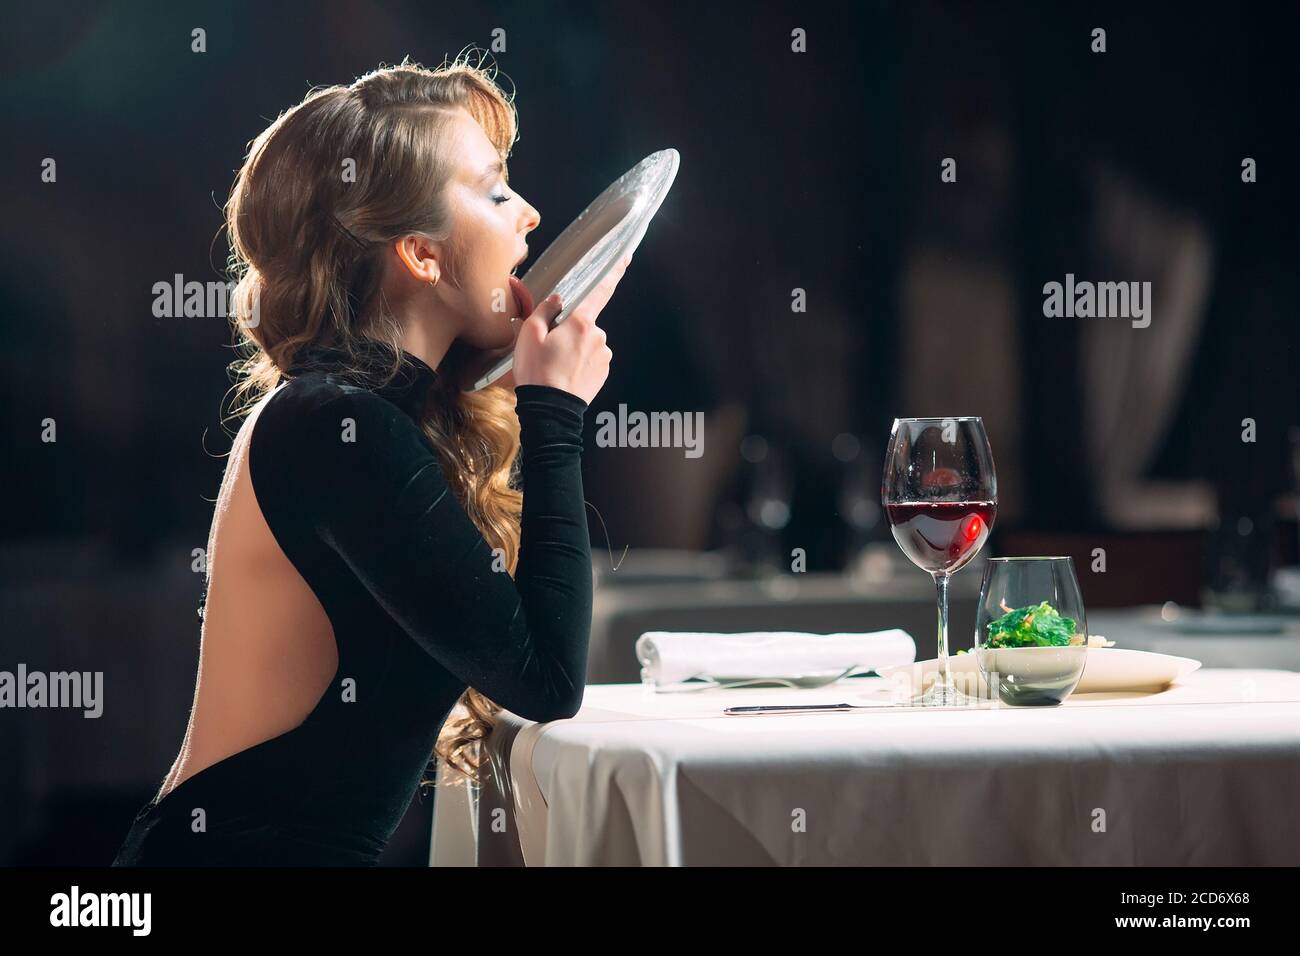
(549, 308)
(532, 330)
(606, 286)
(615, 274)
(591, 306)
(537, 326)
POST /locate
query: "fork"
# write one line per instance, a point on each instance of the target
(805, 683)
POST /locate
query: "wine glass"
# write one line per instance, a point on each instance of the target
(941, 495)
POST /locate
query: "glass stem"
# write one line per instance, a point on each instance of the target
(945, 678)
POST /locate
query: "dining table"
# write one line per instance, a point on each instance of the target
(1205, 772)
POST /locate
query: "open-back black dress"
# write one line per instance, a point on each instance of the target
(421, 608)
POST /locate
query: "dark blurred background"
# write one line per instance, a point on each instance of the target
(817, 171)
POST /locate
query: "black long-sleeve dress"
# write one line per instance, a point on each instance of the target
(357, 499)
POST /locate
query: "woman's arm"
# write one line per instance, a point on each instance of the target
(385, 507)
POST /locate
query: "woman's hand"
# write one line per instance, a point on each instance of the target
(572, 356)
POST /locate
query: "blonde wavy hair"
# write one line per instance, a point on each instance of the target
(306, 255)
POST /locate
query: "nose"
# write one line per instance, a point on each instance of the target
(532, 218)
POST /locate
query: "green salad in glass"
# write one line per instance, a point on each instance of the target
(1036, 625)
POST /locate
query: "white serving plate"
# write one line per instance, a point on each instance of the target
(610, 228)
(1107, 669)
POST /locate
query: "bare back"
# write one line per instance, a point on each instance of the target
(268, 651)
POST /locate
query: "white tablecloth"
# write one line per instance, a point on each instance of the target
(1205, 773)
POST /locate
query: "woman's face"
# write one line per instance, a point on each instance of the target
(490, 223)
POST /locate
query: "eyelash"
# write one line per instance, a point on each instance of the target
(500, 199)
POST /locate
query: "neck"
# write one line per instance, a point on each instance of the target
(427, 333)
(426, 340)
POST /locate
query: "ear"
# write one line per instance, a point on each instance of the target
(421, 256)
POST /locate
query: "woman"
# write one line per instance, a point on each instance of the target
(369, 560)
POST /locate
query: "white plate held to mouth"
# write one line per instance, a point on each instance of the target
(610, 228)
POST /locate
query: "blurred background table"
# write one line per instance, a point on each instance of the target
(1145, 629)
(677, 591)
(671, 591)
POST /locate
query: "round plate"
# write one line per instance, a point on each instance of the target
(611, 227)
(1108, 669)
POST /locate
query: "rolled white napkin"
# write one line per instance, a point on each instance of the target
(670, 656)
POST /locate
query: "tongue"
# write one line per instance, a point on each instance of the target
(523, 298)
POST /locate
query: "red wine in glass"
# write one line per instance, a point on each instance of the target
(941, 536)
(940, 491)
